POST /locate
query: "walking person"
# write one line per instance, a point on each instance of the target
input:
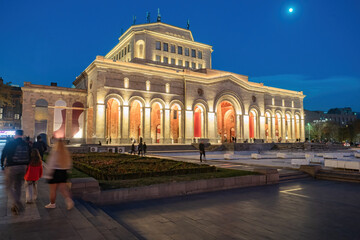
(202, 150)
(57, 166)
(33, 174)
(16, 155)
(144, 148)
(132, 148)
(41, 146)
(140, 148)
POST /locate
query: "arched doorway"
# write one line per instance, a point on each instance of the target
(199, 123)
(226, 121)
(156, 122)
(59, 119)
(41, 116)
(77, 128)
(112, 119)
(268, 134)
(175, 116)
(253, 124)
(136, 116)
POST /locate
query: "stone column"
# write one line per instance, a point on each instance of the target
(147, 125)
(262, 128)
(283, 129)
(293, 129)
(189, 126)
(100, 122)
(68, 124)
(211, 127)
(50, 122)
(125, 125)
(273, 134)
(181, 127)
(167, 127)
(238, 128)
(119, 127)
(302, 129)
(246, 127)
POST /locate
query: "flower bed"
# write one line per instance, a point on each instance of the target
(108, 166)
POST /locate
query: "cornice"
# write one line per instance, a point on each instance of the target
(195, 77)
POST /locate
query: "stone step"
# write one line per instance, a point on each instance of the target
(293, 176)
(106, 225)
(348, 176)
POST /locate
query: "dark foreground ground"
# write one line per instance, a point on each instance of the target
(307, 209)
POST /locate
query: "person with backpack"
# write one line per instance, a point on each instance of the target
(40, 146)
(16, 154)
(33, 174)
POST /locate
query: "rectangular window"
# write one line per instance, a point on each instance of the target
(0, 115)
(172, 48)
(193, 53)
(199, 55)
(166, 47)
(180, 63)
(179, 50)
(158, 45)
(200, 66)
(166, 60)
(173, 61)
(187, 64)
(193, 65)
(158, 58)
(186, 52)
(17, 116)
(1, 110)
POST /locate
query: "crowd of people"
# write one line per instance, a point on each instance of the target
(22, 162)
(140, 148)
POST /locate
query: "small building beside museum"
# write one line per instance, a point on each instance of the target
(158, 84)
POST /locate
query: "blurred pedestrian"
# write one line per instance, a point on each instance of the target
(59, 162)
(16, 157)
(132, 148)
(33, 174)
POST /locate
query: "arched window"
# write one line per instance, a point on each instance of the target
(60, 119)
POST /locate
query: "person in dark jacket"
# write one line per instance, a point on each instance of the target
(202, 150)
(40, 146)
(144, 148)
(16, 155)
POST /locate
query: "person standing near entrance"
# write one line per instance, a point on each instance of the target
(140, 148)
(17, 155)
(202, 150)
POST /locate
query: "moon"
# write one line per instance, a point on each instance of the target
(291, 10)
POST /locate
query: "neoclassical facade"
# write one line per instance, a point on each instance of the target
(157, 84)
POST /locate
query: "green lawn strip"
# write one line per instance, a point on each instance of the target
(128, 183)
(122, 166)
(75, 173)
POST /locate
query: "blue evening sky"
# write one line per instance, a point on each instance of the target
(315, 49)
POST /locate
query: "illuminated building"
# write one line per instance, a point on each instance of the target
(158, 84)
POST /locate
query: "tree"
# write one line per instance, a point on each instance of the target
(5, 94)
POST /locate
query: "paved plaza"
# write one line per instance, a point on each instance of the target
(307, 209)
